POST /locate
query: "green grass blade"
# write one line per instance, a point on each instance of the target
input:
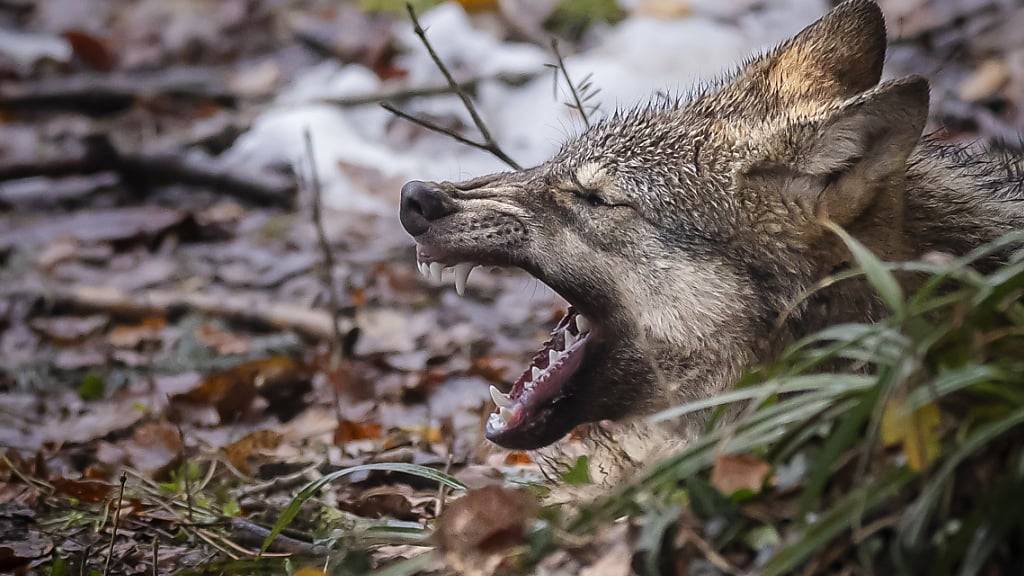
(916, 520)
(836, 383)
(877, 273)
(836, 520)
(309, 490)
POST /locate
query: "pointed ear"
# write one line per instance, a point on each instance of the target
(836, 58)
(838, 165)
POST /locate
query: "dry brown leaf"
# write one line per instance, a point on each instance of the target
(518, 459)
(985, 81)
(239, 452)
(222, 341)
(155, 448)
(84, 490)
(486, 520)
(734, 472)
(132, 335)
(348, 431)
(92, 50)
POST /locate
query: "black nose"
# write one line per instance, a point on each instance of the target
(422, 203)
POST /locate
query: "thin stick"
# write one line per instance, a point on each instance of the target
(327, 272)
(442, 491)
(435, 127)
(572, 87)
(117, 521)
(188, 480)
(156, 555)
(488, 143)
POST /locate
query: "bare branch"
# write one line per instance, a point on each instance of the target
(117, 522)
(572, 87)
(393, 95)
(488, 143)
(435, 127)
(340, 342)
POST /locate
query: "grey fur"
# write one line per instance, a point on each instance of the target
(685, 228)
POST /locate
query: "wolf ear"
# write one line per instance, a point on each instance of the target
(836, 58)
(836, 166)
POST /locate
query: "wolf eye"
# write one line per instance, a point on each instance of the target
(591, 197)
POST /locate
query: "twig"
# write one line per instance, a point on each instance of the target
(117, 521)
(279, 482)
(435, 127)
(488, 143)
(399, 94)
(314, 324)
(442, 489)
(338, 351)
(104, 93)
(188, 477)
(251, 534)
(146, 168)
(569, 82)
(710, 554)
(156, 555)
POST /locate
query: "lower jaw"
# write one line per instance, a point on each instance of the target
(533, 413)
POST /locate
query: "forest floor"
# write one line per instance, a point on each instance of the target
(169, 366)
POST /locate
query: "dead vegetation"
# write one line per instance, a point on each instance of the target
(202, 370)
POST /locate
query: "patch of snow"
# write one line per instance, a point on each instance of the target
(630, 62)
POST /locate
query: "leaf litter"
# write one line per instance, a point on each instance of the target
(161, 308)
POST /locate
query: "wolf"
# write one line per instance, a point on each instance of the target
(681, 230)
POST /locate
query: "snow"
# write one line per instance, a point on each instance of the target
(630, 62)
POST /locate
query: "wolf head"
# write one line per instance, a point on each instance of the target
(679, 230)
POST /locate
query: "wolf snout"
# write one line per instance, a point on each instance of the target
(422, 203)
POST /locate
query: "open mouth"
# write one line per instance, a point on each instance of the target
(521, 414)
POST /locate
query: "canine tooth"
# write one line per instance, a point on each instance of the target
(424, 269)
(570, 339)
(552, 357)
(435, 271)
(500, 399)
(535, 372)
(505, 414)
(582, 324)
(461, 276)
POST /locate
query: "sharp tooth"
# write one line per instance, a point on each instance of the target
(505, 414)
(535, 372)
(502, 400)
(582, 324)
(570, 339)
(435, 271)
(424, 270)
(552, 357)
(461, 276)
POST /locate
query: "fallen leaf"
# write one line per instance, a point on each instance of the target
(92, 50)
(231, 392)
(486, 520)
(222, 341)
(133, 335)
(348, 431)
(518, 459)
(239, 452)
(101, 419)
(986, 80)
(917, 432)
(94, 226)
(84, 490)
(69, 329)
(735, 472)
(155, 448)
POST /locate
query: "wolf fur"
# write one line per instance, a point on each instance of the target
(686, 227)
